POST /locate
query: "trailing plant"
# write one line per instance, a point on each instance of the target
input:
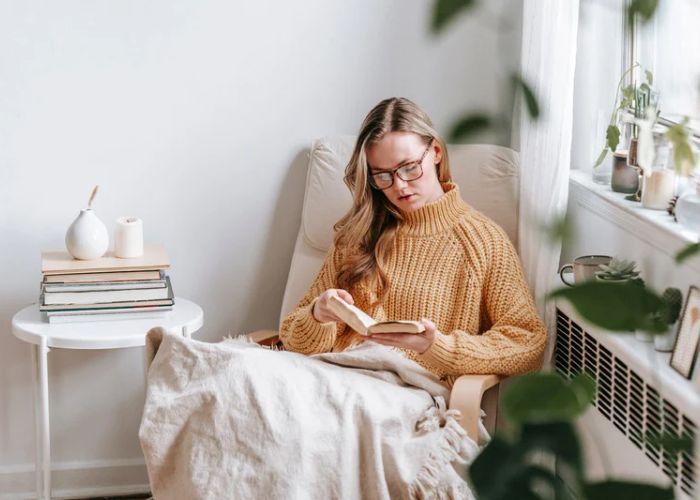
(628, 98)
(684, 157)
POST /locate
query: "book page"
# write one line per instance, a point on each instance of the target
(365, 324)
(353, 316)
(399, 326)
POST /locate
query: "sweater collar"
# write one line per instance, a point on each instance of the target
(437, 216)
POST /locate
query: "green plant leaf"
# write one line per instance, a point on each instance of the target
(619, 307)
(558, 438)
(612, 135)
(650, 77)
(543, 397)
(469, 125)
(447, 10)
(584, 387)
(644, 8)
(673, 445)
(683, 155)
(622, 490)
(516, 478)
(687, 252)
(533, 107)
(559, 231)
(496, 455)
(601, 157)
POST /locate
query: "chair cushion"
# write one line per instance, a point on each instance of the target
(487, 176)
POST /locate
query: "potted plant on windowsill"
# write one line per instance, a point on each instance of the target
(623, 271)
(635, 99)
(619, 271)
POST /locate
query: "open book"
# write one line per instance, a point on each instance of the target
(364, 324)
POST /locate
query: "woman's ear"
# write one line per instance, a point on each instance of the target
(438, 152)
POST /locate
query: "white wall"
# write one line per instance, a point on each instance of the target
(194, 116)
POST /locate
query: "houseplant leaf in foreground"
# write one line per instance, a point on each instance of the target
(502, 472)
(469, 125)
(687, 252)
(620, 490)
(547, 397)
(446, 10)
(619, 307)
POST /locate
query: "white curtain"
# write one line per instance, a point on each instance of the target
(547, 65)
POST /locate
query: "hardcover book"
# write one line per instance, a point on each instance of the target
(61, 262)
(104, 277)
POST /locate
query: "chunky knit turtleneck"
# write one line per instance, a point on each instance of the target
(454, 266)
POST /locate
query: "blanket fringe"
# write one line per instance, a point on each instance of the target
(452, 446)
(243, 338)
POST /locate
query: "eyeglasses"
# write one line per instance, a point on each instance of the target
(408, 172)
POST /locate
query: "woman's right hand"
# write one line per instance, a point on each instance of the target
(321, 312)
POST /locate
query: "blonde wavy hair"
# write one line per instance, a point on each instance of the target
(367, 232)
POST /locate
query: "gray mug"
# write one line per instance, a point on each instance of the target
(584, 268)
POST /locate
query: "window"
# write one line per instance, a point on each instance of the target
(669, 46)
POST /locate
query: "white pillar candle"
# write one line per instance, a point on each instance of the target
(658, 188)
(128, 238)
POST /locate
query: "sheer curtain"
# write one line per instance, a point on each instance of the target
(547, 65)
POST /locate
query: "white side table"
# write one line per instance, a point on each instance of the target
(31, 326)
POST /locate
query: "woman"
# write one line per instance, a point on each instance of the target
(410, 248)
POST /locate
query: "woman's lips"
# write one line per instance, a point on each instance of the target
(406, 198)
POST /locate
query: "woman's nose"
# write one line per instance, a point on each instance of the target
(399, 183)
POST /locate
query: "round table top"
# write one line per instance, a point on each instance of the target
(30, 325)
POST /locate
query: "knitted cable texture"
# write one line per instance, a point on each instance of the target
(452, 265)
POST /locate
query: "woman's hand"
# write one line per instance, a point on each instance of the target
(322, 312)
(419, 342)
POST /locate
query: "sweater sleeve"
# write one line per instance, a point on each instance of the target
(514, 344)
(300, 332)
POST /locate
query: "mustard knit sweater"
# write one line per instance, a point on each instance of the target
(454, 266)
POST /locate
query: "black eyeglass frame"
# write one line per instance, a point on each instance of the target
(396, 172)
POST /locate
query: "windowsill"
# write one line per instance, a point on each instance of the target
(655, 227)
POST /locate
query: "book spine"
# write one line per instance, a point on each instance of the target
(85, 318)
(104, 286)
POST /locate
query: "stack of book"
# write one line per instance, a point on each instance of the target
(107, 288)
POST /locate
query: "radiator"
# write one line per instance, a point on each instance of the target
(638, 394)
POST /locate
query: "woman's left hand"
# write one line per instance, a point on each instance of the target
(419, 342)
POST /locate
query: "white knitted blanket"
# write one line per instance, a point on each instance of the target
(235, 420)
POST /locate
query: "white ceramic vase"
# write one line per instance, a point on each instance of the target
(87, 236)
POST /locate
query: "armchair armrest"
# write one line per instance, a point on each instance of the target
(264, 337)
(467, 396)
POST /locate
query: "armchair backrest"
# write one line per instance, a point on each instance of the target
(487, 176)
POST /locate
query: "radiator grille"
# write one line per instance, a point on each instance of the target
(631, 404)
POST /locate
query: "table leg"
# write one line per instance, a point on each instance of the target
(42, 422)
(37, 417)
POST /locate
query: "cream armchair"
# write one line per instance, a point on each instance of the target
(488, 180)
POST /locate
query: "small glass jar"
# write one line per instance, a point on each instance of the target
(625, 178)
